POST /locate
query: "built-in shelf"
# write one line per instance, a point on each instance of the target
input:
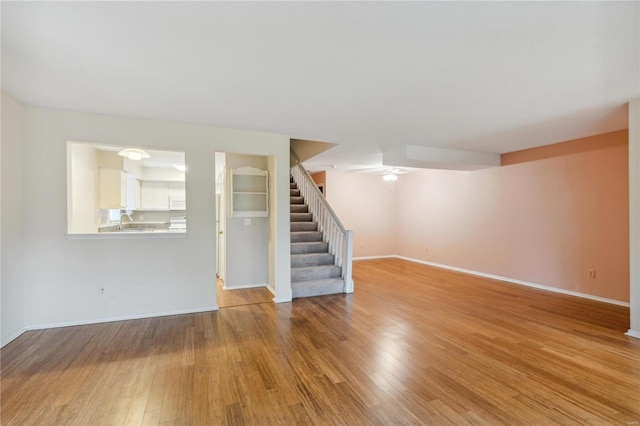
(250, 192)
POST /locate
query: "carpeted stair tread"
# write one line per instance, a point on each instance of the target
(314, 247)
(301, 217)
(306, 236)
(308, 273)
(298, 208)
(303, 226)
(311, 259)
(317, 287)
(296, 200)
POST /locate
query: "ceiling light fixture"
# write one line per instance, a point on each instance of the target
(134, 154)
(180, 167)
(390, 177)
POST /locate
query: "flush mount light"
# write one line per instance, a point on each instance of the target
(134, 153)
(180, 167)
(390, 177)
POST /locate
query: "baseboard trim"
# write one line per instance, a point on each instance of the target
(387, 256)
(633, 333)
(282, 300)
(519, 282)
(241, 287)
(271, 289)
(119, 318)
(13, 336)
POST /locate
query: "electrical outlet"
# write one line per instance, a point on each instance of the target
(100, 292)
(247, 221)
(140, 217)
(591, 273)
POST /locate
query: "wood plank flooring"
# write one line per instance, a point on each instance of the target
(412, 345)
(246, 296)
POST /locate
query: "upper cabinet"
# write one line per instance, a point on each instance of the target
(249, 192)
(163, 196)
(155, 195)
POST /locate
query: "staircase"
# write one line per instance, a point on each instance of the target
(313, 269)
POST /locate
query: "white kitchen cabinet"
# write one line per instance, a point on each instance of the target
(249, 192)
(155, 195)
(147, 195)
(133, 193)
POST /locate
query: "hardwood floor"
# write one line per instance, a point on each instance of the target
(412, 345)
(248, 296)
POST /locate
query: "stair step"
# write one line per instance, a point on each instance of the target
(306, 236)
(301, 217)
(296, 200)
(308, 273)
(292, 185)
(299, 208)
(311, 259)
(294, 192)
(317, 287)
(303, 226)
(314, 247)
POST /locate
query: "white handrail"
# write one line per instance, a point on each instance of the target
(340, 240)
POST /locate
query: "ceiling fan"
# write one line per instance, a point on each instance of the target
(389, 173)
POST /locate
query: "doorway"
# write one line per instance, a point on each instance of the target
(229, 237)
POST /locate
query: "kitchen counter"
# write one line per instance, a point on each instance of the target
(130, 235)
(132, 230)
(135, 227)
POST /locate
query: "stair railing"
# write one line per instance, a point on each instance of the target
(340, 240)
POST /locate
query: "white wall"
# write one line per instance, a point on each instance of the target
(12, 227)
(279, 236)
(142, 277)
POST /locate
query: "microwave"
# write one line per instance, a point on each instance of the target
(177, 203)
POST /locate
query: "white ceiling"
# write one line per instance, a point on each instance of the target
(369, 76)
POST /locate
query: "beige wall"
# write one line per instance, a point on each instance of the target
(320, 178)
(366, 205)
(83, 188)
(545, 221)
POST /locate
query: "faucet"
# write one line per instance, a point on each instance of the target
(127, 215)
